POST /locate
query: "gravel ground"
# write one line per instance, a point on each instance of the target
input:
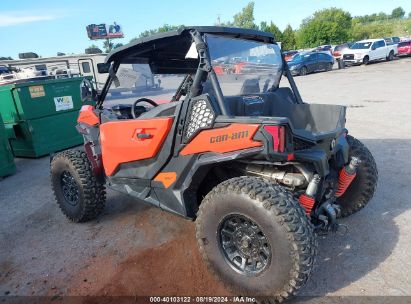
(133, 249)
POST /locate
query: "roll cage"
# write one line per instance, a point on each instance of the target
(166, 54)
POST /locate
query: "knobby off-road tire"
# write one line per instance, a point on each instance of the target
(362, 188)
(281, 224)
(79, 195)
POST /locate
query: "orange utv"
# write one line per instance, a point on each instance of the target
(178, 126)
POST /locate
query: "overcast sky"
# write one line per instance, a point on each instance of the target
(47, 26)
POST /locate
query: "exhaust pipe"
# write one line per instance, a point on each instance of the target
(346, 176)
(283, 177)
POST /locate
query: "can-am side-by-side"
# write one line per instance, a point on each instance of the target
(221, 143)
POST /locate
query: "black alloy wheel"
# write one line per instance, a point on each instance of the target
(244, 245)
(69, 188)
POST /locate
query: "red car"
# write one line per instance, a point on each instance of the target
(339, 48)
(404, 48)
(288, 55)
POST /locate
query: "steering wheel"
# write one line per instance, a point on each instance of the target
(133, 108)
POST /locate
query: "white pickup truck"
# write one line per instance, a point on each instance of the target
(368, 50)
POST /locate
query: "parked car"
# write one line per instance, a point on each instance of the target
(4, 70)
(368, 50)
(404, 48)
(323, 48)
(392, 40)
(289, 54)
(304, 63)
(339, 48)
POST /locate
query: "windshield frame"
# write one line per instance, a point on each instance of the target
(203, 70)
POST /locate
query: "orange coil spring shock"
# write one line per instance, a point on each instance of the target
(346, 176)
(307, 199)
(307, 202)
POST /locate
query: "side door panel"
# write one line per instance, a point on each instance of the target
(383, 50)
(373, 53)
(380, 49)
(131, 140)
(86, 68)
(313, 63)
(322, 61)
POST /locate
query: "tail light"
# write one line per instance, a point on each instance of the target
(278, 134)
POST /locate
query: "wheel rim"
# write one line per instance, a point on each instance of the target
(69, 188)
(303, 71)
(244, 245)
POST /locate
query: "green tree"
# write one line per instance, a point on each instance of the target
(289, 41)
(94, 46)
(245, 18)
(273, 29)
(409, 15)
(361, 31)
(397, 13)
(161, 29)
(108, 45)
(117, 45)
(327, 26)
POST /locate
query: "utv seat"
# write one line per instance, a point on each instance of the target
(260, 104)
(250, 86)
(162, 110)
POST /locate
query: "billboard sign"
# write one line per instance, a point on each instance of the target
(104, 31)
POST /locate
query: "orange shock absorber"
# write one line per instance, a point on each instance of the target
(346, 176)
(307, 199)
(307, 202)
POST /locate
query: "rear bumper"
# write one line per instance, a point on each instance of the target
(353, 61)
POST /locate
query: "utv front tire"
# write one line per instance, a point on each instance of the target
(247, 219)
(362, 188)
(79, 195)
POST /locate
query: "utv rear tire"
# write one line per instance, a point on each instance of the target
(79, 195)
(362, 188)
(277, 225)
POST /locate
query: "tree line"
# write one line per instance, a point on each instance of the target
(326, 26)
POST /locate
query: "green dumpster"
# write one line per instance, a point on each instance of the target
(7, 166)
(40, 116)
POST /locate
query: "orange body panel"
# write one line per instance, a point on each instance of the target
(87, 116)
(167, 178)
(120, 142)
(231, 138)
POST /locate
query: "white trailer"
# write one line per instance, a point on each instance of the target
(61, 66)
(79, 65)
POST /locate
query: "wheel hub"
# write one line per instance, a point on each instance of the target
(69, 188)
(244, 245)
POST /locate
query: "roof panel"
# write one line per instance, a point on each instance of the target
(177, 41)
